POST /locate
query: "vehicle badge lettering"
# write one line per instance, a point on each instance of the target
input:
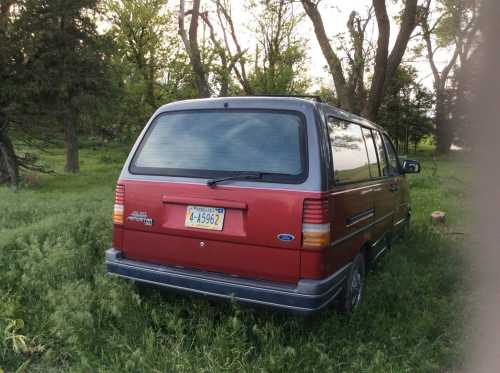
(286, 237)
(140, 217)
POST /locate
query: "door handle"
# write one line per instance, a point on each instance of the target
(394, 187)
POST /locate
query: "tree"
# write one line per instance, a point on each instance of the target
(150, 66)
(141, 30)
(351, 97)
(12, 100)
(455, 27)
(65, 64)
(463, 93)
(405, 109)
(190, 41)
(279, 54)
(277, 64)
(226, 24)
(227, 61)
(9, 167)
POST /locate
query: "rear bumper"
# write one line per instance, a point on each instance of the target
(307, 296)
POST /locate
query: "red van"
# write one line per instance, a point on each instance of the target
(275, 201)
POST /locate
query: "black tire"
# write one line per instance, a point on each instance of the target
(352, 294)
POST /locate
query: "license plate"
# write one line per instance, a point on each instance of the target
(204, 217)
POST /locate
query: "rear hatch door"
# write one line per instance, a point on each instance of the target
(249, 228)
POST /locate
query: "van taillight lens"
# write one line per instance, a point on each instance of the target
(315, 224)
(119, 201)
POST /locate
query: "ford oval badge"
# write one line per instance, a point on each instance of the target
(286, 237)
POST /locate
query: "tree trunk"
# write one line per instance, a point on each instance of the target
(192, 48)
(408, 24)
(385, 65)
(71, 145)
(332, 59)
(150, 76)
(378, 82)
(9, 167)
(444, 132)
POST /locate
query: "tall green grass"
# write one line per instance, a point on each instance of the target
(60, 312)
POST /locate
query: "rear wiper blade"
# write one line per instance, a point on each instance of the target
(240, 176)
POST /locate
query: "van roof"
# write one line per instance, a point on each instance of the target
(279, 102)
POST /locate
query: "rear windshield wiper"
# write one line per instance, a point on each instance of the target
(240, 176)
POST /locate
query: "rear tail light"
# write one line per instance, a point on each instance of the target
(119, 201)
(315, 224)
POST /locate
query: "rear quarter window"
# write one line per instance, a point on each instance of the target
(350, 160)
(211, 143)
(381, 154)
(372, 152)
(392, 157)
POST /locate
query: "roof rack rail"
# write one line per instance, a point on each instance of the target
(314, 97)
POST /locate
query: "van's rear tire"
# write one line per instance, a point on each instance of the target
(352, 294)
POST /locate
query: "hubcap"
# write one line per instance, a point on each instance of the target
(356, 287)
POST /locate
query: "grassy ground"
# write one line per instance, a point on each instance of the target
(60, 312)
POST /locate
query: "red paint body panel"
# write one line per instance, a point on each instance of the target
(252, 261)
(117, 237)
(342, 202)
(247, 246)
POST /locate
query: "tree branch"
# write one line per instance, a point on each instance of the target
(182, 30)
(332, 59)
(242, 76)
(430, 52)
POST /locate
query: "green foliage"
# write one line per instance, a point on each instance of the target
(280, 54)
(327, 95)
(65, 68)
(75, 318)
(283, 75)
(453, 15)
(405, 110)
(55, 74)
(151, 69)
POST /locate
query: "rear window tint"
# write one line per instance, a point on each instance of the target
(214, 143)
(350, 161)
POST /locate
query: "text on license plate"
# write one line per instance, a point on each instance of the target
(204, 217)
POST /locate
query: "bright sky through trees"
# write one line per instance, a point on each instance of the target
(335, 17)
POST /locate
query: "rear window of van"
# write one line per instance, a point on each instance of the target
(212, 143)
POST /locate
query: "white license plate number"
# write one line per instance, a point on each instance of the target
(205, 217)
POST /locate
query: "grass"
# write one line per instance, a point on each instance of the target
(60, 312)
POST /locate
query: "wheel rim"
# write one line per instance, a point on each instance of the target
(356, 287)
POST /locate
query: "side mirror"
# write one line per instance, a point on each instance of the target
(410, 167)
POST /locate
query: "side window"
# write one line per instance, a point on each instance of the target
(372, 152)
(381, 154)
(350, 161)
(392, 157)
